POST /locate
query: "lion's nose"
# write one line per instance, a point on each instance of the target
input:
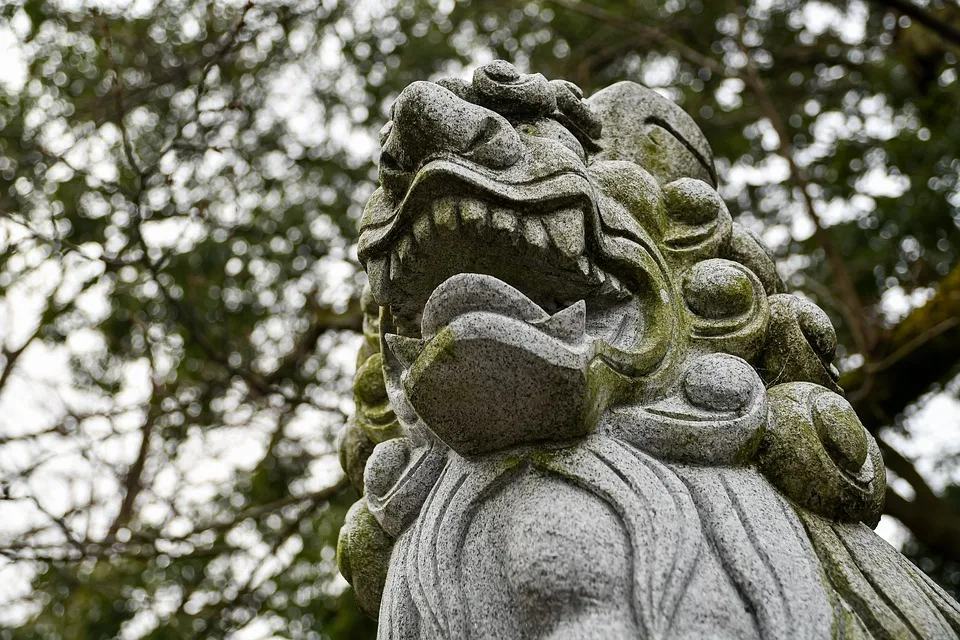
(428, 120)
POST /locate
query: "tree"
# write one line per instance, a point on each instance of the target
(180, 187)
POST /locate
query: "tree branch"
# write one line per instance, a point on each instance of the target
(927, 523)
(118, 100)
(654, 35)
(854, 311)
(943, 29)
(10, 358)
(133, 480)
(906, 470)
(919, 352)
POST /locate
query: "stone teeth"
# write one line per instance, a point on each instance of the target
(405, 349)
(474, 213)
(535, 234)
(378, 273)
(568, 324)
(614, 285)
(445, 214)
(423, 229)
(583, 264)
(610, 285)
(598, 275)
(504, 220)
(394, 266)
(566, 230)
(405, 248)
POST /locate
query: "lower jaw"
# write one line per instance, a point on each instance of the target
(494, 370)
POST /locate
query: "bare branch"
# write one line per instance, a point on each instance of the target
(226, 45)
(10, 358)
(945, 30)
(855, 313)
(133, 481)
(57, 244)
(922, 350)
(120, 111)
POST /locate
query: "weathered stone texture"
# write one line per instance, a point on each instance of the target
(586, 406)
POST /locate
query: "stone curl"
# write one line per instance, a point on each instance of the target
(819, 454)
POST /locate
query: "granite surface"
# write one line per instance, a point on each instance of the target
(587, 407)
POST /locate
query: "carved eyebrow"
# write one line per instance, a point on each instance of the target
(589, 144)
(663, 124)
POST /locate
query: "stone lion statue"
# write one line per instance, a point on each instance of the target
(586, 406)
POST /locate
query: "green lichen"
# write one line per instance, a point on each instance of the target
(441, 349)
(363, 556)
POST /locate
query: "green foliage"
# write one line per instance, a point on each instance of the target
(945, 570)
(179, 186)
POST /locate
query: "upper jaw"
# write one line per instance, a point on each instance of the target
(523, 187)
(534, 235)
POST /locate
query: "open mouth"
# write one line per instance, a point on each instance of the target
(544, 248)
(502, 296)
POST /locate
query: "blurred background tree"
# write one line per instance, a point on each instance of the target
(179, 187)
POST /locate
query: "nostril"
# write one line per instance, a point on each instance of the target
(494, 144)
(486, 130)
(388, 161)
(393, 176)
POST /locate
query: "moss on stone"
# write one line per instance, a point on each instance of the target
(363, 556)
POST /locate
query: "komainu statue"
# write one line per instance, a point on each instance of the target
(586, 405)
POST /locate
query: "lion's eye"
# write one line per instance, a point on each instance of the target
(553, 130)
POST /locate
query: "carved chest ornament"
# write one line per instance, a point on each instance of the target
(586, 406)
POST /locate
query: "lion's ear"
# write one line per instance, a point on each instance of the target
(641, 126)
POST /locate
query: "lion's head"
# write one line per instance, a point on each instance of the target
(537, 259)
(608, 202)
